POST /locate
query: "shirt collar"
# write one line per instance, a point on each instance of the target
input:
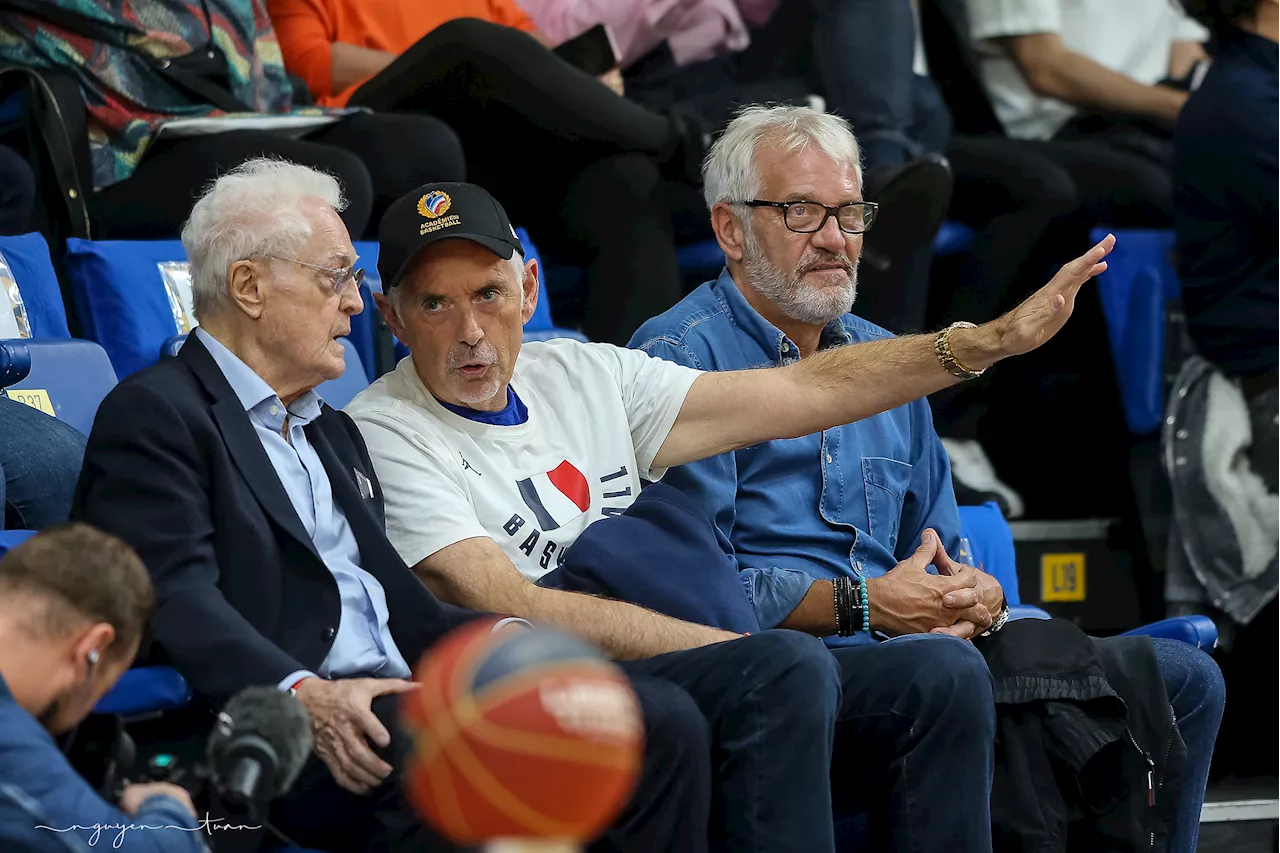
(768, 336)
(250, 388)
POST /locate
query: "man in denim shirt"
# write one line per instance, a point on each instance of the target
(784, 185)
(73, 604)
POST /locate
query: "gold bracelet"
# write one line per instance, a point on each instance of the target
(942, 346)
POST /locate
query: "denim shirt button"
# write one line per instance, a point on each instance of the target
(828, 458)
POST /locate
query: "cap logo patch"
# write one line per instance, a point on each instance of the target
(433, 204)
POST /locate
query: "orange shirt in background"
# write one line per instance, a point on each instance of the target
(307, 28)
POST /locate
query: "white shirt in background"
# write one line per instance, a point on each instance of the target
(598, 414)
(1132, 37)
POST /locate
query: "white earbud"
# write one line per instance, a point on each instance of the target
(93, 657)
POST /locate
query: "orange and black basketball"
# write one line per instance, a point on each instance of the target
(526, 734)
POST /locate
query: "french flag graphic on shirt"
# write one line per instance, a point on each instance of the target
(556, 497)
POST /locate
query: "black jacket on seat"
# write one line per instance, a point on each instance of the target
(1088, 755)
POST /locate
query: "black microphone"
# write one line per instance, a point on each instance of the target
(261, 740)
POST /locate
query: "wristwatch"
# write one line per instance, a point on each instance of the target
(998, 623)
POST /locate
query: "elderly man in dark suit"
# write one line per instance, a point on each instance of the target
(260, 519)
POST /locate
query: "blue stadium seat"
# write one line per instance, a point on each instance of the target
(540, 326)
(133, 296)
(992, 540)
(1198, 631)
(10, 539)
(37, 299)
(952, 239)
(336, 392)
(1139, 281)
(61, 377)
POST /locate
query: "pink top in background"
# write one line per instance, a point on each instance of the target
(696, 29)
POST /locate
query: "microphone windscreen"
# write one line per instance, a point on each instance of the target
(273, 715)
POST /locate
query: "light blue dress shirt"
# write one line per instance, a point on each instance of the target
(850, 501)
(363, 645)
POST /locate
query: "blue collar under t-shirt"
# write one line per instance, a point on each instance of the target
(513, 414)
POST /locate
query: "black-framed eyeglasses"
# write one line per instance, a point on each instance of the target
(340, 276)
(806, 217)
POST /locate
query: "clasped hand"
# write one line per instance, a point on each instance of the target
(959, 601)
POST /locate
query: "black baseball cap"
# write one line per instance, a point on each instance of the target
(441, 211)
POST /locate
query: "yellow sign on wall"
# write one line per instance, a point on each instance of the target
(36, 398)
(1062, 577)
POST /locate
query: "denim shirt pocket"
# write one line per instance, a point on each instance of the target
(886, 482)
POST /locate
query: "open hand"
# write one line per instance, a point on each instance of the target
(1046, 311)
(343, 724)
(909, 600)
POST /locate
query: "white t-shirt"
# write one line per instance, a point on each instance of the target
(598, 415)
(1132, 37)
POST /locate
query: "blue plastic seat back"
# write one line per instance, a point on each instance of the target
(338, 392)
(541, 326)
(25, 262)
(10, 539)
(992, 541)
(122, 300)
(1139, 281)
(1199, 631)
(67, 378)
(951, 239)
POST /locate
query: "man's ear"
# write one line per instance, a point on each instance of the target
(245, 282)
(90, 648)
(729, 231)
(529, 298)
(389, 314)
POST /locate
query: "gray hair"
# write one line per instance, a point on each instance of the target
(251, 210)
(730, 173)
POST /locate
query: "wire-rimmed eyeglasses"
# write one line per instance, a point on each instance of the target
(806, 217)
(340, 276)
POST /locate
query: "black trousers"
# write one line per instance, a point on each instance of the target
(376, 157)
(583, 169)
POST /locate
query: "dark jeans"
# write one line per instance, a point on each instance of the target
(377, 158)
(737, 744)
(40, 460)
(769, 702)
(1197, 694)
(580, 167)
(668, 810)
(913, 747)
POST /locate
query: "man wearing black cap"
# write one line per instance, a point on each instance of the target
(259, 517)
(495, 457)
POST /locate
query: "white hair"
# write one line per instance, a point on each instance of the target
(251, 210)
(731, 173)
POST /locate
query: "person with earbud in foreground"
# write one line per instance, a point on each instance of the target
(73, 605)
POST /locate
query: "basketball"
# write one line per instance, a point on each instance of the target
(523, 735)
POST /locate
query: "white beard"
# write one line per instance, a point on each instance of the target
(804, 303)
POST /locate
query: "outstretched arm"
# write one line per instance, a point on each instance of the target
(733, 409)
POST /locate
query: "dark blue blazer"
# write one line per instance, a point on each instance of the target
(173, 467)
